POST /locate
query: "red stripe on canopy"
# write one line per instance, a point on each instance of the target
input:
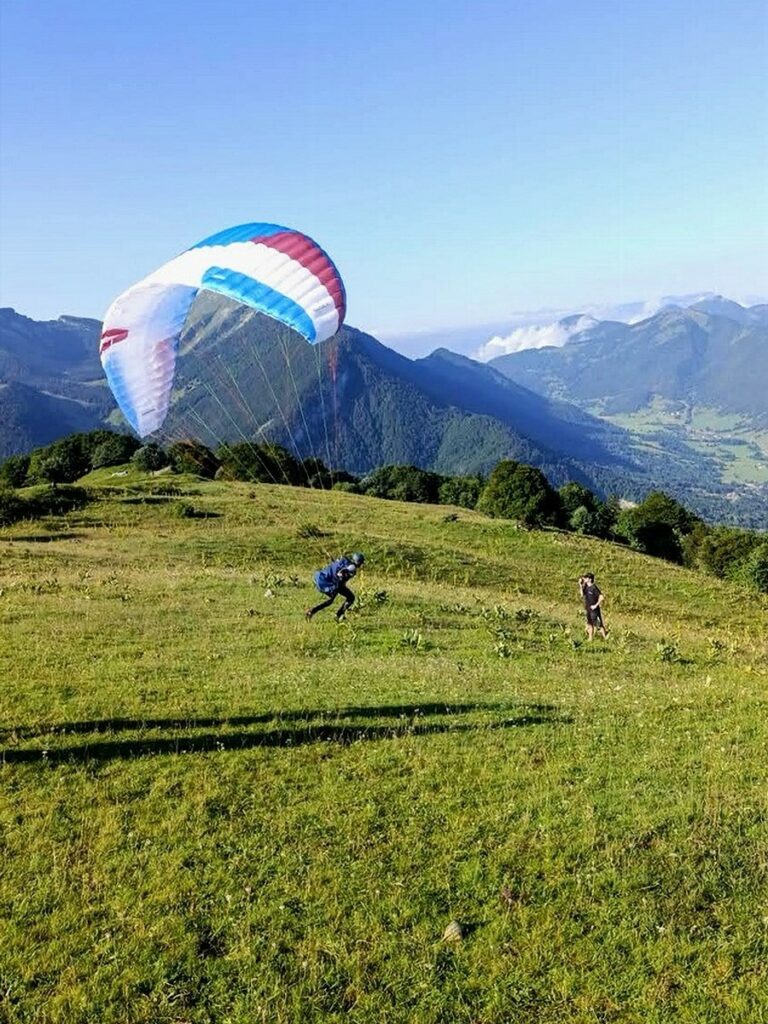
(312, 258)
(111, 337)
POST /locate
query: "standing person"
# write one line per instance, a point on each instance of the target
(332, 581)
(593, 599)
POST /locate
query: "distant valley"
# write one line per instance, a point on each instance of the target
(689, 383)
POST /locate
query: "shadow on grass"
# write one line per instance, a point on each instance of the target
(45, 538)
(340, 735)
(151, 499)
(201, 513)
(412, 711)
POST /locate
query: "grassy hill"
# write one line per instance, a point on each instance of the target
(214, 811)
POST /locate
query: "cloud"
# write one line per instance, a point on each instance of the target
(649, 308)
(533, 336)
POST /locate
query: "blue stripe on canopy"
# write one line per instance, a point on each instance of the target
(120, 390)
(259, 296)
(242, 233)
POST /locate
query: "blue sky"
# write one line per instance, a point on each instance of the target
(458, 160)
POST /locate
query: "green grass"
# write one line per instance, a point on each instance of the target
(214, 811)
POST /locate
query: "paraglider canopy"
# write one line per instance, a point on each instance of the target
(272, 269)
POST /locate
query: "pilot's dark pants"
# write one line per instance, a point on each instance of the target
(346, 593)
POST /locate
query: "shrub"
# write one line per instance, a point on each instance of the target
(517, 491)
(341, 476)
(668, 653)
(315, 472)
(598, 521)
(167, 489)
(49, 501)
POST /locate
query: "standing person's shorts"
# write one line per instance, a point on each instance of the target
(594, 618)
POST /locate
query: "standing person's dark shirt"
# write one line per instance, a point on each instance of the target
(591, 595)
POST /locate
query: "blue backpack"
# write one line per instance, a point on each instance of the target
(327, 580)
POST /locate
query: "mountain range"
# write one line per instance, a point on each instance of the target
(51, 381)
(575, 411)
(358, 404)
(528, 329)
(692, 357)
(689, 382)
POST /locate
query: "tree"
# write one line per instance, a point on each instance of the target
(575, 496)
(13, 471)
(403, 483)
(658, 526)
(149, 458)
(72, 455)
(660, 508)
(114, 451)
(193, 457)
(517, 491)
(755, 569)
(259, 463)
(12, 508)
(692, 544)
(461, 490)
(645, 534)
(281, 465)
(605, 516)
(582, 520)
(60, 466)
(723, 549)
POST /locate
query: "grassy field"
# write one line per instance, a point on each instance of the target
(214, 811)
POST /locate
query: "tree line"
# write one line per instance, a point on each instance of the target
(658, 526)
